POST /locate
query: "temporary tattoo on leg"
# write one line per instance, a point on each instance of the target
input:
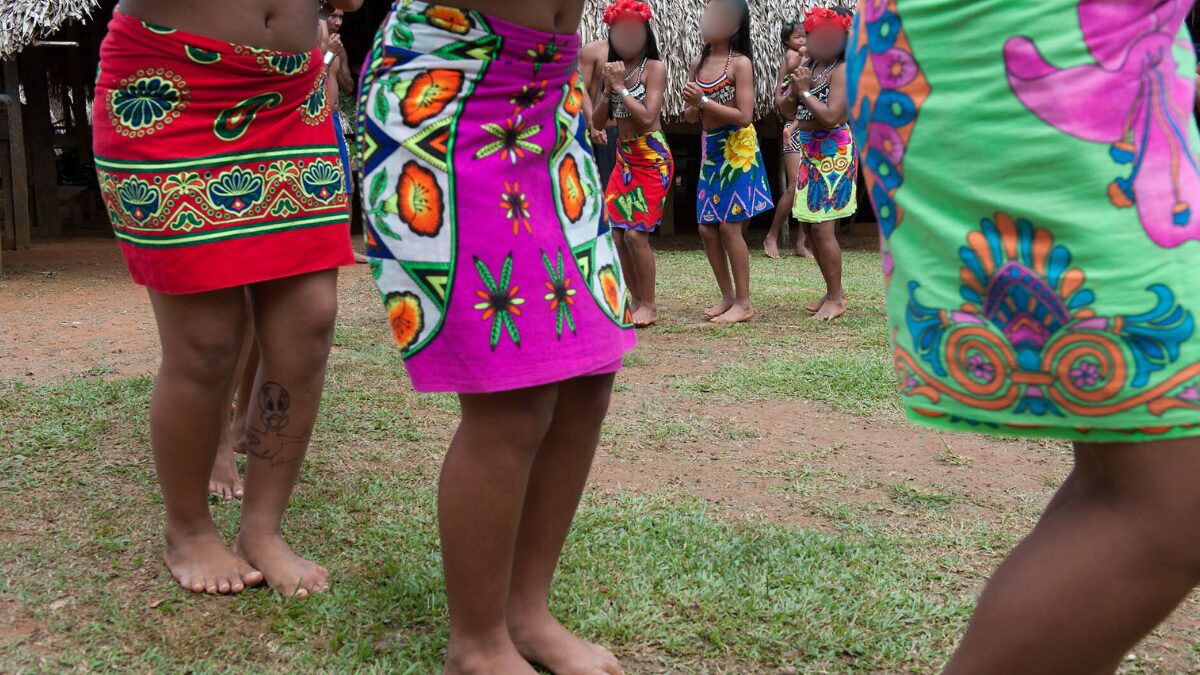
(265, 439)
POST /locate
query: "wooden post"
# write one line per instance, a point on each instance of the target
(78, 89)
(16, 153)
(40, 132)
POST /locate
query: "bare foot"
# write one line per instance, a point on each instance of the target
(718, 309)
(485, 661)
(736, 314)
(646, 315)
(544, 641)
(802, 252)
(201, 563)
(225, 482)
(360, 259)
(815, 306)
(771, 247)
(287, 573)
(832, 309)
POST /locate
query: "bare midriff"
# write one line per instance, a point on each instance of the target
(280, 25)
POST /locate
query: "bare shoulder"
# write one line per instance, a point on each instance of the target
(791, 60)
(595, 52)
(742, 65)
(656, 67)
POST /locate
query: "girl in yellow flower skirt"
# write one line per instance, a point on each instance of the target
(733, 183)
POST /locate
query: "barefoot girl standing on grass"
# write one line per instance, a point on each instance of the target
(483, 224)
(210, 117)
(733, 183)
(826, 188)
(1039, 200)
(635, 81)
(795, 46)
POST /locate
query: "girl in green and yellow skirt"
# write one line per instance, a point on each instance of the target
(1034, 165)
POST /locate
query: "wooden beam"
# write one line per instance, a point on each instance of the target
(16, 152)
(40, 143)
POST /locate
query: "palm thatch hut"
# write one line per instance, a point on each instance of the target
(24, 21)
(43, 110)
(677, 25)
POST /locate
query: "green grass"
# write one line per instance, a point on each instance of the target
(859, 382)
(670, 583)
(643, 573)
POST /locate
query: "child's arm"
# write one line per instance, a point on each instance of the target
(691, 111)
(833, 113)
(646, 114)
(785, 78)
(601, 112)
(741, 112)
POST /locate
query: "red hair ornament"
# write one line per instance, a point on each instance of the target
(623, 8)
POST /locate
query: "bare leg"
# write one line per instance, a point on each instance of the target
(1115, 553)
(783, 210)
(641, 256)
(480, 501)
(830, 261)
(294, 320)
(201, 337)
(717, 259)
(628, 265)
(555, 486)
(225, 482)
(245, 398)
(734, 243)
(814, 306)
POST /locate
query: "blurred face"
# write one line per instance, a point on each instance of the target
(797, 40)
(334, 22)
(827, 43)
(628, 37)
(719, 22)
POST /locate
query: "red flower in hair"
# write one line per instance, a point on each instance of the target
(820, 17)
(620, 8)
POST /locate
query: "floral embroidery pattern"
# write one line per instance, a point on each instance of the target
(887, 88)
(499, 302)
(512, 140)
(146, 102)
(1132, 44)
(1026, 340)
(543, 54)
(516, 207)
(530, 96)
(560, 296)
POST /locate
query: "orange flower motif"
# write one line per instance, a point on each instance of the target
(450, 19)
(405, 317)
(419, 200)
(429, 94)
(611, 288)
(516, 207)
(571, 191)
(573, 103)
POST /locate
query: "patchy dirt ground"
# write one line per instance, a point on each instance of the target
(67, 308)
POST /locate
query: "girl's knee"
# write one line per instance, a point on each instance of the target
(710, 233)
(207, 359)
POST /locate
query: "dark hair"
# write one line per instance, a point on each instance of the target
(789, 27)
(739, 43)
(650, 52)
(324, 11)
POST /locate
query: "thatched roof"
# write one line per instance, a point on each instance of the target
(677, 25)
(23, 21)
